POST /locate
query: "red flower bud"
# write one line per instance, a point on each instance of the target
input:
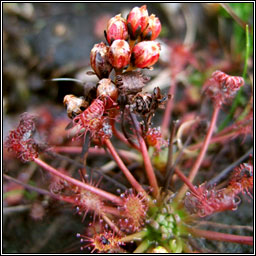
(116, 29)
(107, 88)
(153, 29)
(119, 53)
(99, 60)
(145, 54)
(137, 21)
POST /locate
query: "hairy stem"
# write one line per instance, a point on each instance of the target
(77, 150)
(185, 180)
(212, 235)
(148, 166)
(124, 169)
(78, 183)
(112, 224)
(224, 226)
(201, 155)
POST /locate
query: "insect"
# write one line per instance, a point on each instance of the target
(91, 119)
(75, 105)
(104, 240)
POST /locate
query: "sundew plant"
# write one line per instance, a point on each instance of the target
(165, 190)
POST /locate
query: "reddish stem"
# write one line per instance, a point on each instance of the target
(121, 137)
(78, 183)
(77, 150)
(201, 155)
(168, 109)
(112, 210)
(123, 168)
(112, 225)
(212, 235)
(126, 155)
(185, 180)
(148, 166)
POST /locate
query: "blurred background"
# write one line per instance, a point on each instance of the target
(42, 41)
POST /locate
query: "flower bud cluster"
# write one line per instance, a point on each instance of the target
(130, 43)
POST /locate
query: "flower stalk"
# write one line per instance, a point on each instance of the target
(122, 166)
(224, 237)
(78, 183)
(147, 162)
(201, 155)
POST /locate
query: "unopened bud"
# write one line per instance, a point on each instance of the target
(99, 60)
(107, 89)
(145, 54)
(116, 29)
(137, 21)
(119, 54)
(153, 29)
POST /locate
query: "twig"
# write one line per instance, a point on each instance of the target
(168, 180)
(229, 10)
(30, 187)
(168, 109)
(125, 133)
(228, 169)
(170, 156)
(16, 209)
(169, 169)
